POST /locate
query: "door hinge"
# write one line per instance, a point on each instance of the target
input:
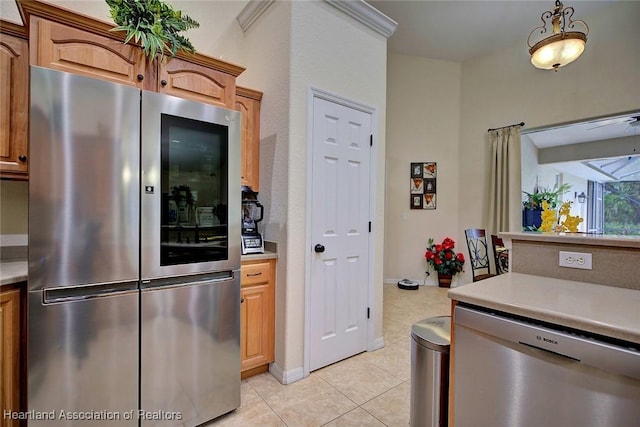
(371, 140)
(369, 226)
(368, 313)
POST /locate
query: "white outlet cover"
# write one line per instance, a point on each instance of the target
(579, 260)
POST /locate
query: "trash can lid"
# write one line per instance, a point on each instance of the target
(433, 332)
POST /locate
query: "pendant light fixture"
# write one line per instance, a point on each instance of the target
(559, 40)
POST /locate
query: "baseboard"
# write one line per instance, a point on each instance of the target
(378, 343)
(286, 377)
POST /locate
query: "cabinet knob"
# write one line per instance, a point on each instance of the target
(318, 248)
(241, 300)
(140, 77)
(22, 158)
(163, 83)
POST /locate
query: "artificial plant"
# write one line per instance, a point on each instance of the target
(153, 24)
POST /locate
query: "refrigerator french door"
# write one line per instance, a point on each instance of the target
(190, 259)
(134, 255)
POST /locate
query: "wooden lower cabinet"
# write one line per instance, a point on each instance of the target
(257, 316)
(10, 364)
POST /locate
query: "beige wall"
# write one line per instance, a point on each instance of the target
(292, 63)
(423, 114)
(13, 207)
(269, 68)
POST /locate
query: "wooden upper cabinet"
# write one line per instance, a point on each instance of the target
(248, 103)
(14, 101)
(69, 49)
(185, 79)
(67, 41)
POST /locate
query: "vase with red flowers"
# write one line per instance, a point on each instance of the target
(443, 258)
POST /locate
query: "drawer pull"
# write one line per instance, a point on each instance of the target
(254, 274)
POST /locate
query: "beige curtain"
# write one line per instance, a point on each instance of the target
(505, 190)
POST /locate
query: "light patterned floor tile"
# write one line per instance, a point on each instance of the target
(310, 402)
(247, 392)
(265, 384)
(394, 358)
(358, 379)
(254, 414)
(356, 418)
(393, 331)
(392, 408)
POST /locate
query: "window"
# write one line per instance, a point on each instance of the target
(614, 207)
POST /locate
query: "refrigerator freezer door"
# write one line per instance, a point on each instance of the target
(190, 159)
(83, 181)
(83, 360)
(190, 351)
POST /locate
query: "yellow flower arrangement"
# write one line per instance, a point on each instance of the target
(551, 222)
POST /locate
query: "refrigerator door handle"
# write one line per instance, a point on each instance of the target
(80, 293)
(195, 280)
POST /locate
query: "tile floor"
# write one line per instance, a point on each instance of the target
(370, 389)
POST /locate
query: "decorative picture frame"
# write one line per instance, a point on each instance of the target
(423, 185)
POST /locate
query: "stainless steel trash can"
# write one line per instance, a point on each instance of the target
(430, 342)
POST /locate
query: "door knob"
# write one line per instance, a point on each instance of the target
(319, 248)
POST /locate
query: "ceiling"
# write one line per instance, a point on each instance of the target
(456, 30)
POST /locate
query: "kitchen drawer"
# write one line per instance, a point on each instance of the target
(252, 274)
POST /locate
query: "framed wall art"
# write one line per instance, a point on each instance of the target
(423, 185)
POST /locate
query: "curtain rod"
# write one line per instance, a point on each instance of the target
(504, 127)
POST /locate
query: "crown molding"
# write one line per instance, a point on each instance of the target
(252, 12)
(366, 14)
(359, 10)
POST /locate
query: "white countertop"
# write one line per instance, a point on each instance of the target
(13, 272)
(254, 257)
(599, 309)
(576, 238)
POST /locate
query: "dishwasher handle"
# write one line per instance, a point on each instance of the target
(583, 348)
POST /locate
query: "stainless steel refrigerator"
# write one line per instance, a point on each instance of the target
(134, 256)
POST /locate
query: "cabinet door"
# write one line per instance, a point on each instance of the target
(257, 315)
(249, 105)
(14, 106)
(10, 357)
(185, 79)
(69, 49)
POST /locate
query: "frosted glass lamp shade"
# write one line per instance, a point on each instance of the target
(558, 50)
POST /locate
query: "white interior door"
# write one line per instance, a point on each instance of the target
(340, 232)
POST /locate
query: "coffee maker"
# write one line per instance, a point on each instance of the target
(252, 213)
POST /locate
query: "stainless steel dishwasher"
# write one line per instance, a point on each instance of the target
(511, 371)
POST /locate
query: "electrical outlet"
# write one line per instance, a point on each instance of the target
(575, 260)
